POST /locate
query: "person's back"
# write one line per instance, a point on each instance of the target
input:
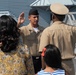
(52, 59)
(14, 58)
(61, 35)
(12, 63)
(57, 72)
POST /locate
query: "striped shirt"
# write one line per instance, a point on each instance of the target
(56, 72)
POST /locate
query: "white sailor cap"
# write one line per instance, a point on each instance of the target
(59, 9)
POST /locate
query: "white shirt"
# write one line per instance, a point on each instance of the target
(36, 30)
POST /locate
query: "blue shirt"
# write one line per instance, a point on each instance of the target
(56, 72)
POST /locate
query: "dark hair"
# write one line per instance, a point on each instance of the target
(9, 33)
(52, 56)
(60, 17)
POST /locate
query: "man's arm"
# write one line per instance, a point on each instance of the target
(44, 40)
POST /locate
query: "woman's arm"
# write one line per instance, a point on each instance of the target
(29, 66)
(29, 62)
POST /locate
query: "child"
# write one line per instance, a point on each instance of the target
(52, 59)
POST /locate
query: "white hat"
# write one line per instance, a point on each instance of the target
(59, 9)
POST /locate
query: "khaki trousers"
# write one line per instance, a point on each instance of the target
(68, 65)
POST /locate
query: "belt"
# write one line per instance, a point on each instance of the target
(66, 59)
(36, 57)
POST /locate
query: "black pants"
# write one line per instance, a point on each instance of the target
(37, 63)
